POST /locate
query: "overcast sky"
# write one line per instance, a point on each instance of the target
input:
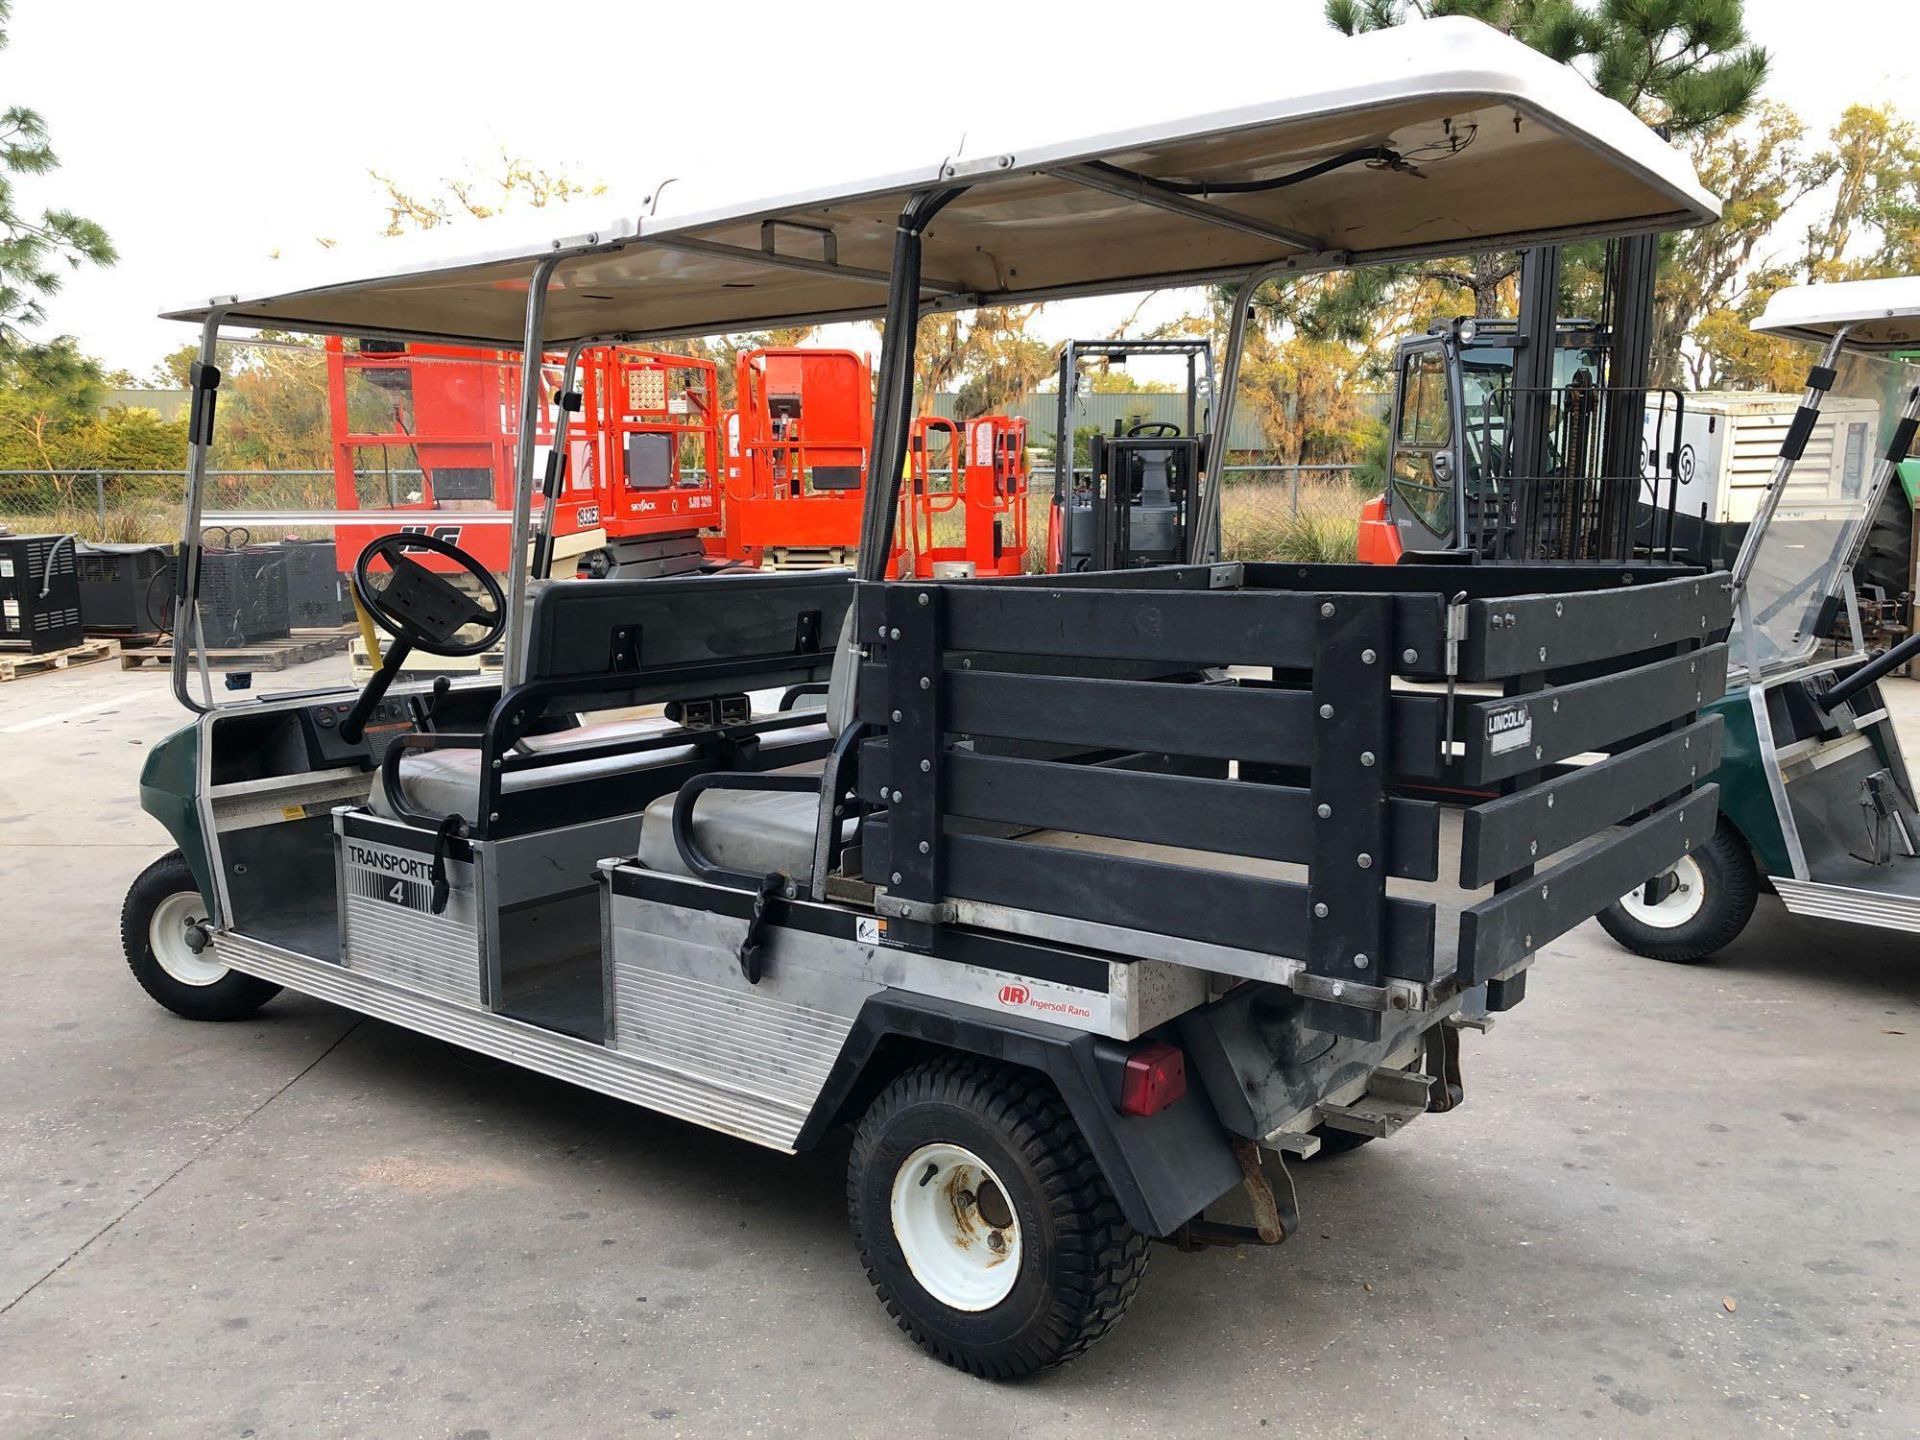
(206, 137)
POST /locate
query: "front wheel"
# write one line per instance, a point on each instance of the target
(1694, 910)
(984, 1222)
(161, 924)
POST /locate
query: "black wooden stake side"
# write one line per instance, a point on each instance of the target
(916, 730)
(1347, 877)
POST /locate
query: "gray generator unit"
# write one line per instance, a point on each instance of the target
(39, 593)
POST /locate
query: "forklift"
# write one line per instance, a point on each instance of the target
(1817, 802)
(1538, 439)
(1137, 501)
(1081, 900)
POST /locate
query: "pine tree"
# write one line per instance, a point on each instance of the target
(32, 248)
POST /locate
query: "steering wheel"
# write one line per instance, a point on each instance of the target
(1153, 429)
(422, 609)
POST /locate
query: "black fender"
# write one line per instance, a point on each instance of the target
(1164, 1169)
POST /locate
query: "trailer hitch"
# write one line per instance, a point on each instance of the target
(1272, 1220)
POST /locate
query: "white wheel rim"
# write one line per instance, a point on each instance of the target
(957, 1253)
(167, 936)
(1681, 904)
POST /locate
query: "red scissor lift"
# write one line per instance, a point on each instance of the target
(655, 424)
(431, 429)
(797, 446)
(977, 468)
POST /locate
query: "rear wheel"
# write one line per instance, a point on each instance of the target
(983, 1221)
(1695, 909)
(163, 929)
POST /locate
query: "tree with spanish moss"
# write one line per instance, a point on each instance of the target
(1681, 65)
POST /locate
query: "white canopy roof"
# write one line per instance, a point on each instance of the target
(1446, 137)
(1879, 314)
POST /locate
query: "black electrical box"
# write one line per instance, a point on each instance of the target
(39, 593)
(125, 589)
(243, 597)
(317, 595)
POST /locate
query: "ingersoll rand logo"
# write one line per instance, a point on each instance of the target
(1014, 995)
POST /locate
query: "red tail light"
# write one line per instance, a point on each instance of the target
(1156, 1076)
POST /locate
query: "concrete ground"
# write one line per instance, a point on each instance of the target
(1680, 1200)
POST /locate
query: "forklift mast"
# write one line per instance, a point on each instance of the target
(1536, 438)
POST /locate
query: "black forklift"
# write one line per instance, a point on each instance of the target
(1137, 500)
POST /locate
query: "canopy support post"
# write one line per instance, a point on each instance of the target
(893, 387)
(520, 545)
(553, 483)
(187, 631)
(1208, 523)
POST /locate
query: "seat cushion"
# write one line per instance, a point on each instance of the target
(446, 782)
(755, 832)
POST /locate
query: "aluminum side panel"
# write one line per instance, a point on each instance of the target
(390, 931)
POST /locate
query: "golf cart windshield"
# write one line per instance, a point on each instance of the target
(324, 444)
(1799, 560)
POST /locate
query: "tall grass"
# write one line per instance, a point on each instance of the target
(1259, 521)
(1262, 521)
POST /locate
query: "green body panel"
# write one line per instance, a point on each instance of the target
(1746, 797)
(1909, 473)
(169, 791)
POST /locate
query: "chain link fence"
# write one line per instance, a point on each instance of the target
(144, 506)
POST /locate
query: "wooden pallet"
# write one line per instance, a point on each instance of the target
(16, 663)
(295, 649)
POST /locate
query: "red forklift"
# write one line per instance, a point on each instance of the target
(975, 471)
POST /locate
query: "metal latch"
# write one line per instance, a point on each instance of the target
(930, 912)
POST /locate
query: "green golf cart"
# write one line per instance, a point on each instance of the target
(1816, 803)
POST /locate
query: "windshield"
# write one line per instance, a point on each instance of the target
(319, 447)
(1798, 559)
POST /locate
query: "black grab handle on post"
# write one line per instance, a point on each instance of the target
(765, 888)
(690, 853)
(1877, 668)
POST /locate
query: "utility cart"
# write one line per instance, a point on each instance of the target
(1081, 898)
(1817, 803)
